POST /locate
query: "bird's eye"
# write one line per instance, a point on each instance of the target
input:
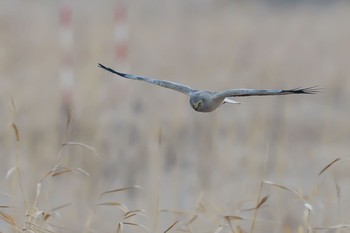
(199, 104)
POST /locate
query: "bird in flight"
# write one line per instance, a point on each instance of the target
(208, 101)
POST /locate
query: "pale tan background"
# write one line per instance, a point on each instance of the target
(149, 136)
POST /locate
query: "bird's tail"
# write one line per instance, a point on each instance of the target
(227, 100)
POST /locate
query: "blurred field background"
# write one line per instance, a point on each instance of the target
(197, 168)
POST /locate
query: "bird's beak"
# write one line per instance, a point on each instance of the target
(197, 106)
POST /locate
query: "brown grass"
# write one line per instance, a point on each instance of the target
(129, 157)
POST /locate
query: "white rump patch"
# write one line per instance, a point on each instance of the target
(227, 100)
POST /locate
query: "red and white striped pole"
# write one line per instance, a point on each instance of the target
(67, 69)
(121, 33)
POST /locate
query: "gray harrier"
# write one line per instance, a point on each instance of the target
(208, 101)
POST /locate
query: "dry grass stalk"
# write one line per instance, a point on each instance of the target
(15, 129)
(191, 220)
(47, 215)
(7, 218)
(136, 225)
(335, 227)
(256, 210)
(120, 227)
(19, 174)
(308, 207)
(232, 218)
(117, 204)
(230, 225)
(178, 212)
(133, 213)
(328, 166)
(59, 157)
(186, 224)
(35, 219)
(331, 164)
(59, 170)
(171, 226)
(35, 228)
(296, 193)
(38, 191)
(127, 213)
(13, 106)
(260, 189)
(10, 172)
(69, 116)
(80, 144)
(260, 203)
(6, 207)
(120, 189)
(219, 229)
(63, 170)
(201, 208)
(239, 230)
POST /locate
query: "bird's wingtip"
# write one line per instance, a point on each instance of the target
(101, 66)
(112, 71)
(308, 90)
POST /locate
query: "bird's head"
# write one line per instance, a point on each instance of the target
(197, 104)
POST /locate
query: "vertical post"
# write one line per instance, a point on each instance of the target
(121, 33)
(67, 71)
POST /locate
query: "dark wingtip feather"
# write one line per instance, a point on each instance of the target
(103, 67)
(307, 90)
(111, 70)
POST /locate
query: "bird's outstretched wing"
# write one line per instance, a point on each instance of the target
(171, 85)
(254, 92)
